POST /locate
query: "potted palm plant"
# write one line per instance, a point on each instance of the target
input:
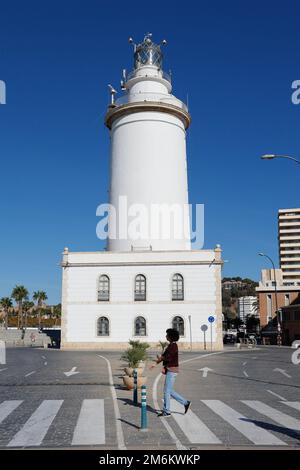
(133, 356)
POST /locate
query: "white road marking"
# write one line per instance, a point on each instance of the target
(119, 430)
(275, 415)
(283, 372)
(90, 427)
(71, 372)
(276, 395)
(293, 404)
(172, 434)
(36, 427)
(205, 371)
(244, 363)
(155, 402)
(43, 357)
(194, 429)
(1, 370)
(245, 373)
(8, 407)
(45, 363)
(240, 422)
(30, 373)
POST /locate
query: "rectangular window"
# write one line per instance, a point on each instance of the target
(269, 307)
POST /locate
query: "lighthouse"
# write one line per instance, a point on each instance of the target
(148, 155)
(149, 278)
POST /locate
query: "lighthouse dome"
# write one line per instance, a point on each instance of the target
(148, 53)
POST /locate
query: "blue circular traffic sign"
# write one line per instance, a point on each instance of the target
(211, 319)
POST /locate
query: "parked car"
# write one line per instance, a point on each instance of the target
(229, 338)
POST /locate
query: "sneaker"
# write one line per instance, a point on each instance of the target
(164, 414)
(186, 407)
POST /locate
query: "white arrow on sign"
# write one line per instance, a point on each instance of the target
(283, 372)
(205, 370)
(71, 372)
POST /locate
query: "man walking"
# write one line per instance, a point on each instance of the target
(169, 358)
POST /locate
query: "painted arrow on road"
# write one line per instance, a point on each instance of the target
(205, 371)
(283, 372)
(71, 372)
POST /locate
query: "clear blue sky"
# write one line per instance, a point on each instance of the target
(235, 60)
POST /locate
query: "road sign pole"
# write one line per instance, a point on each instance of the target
(204, 342)
(211, 319)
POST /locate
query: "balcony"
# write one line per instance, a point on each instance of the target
(138, 73)
(103, 296)
(139, 295)
(177, 295)
(152, 97)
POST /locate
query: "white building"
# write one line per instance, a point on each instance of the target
(289, 245)
(247, 306)
(142, 285)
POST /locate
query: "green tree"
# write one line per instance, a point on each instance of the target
(39, 296)
(6, 304)
(20, 294)
(57, 312)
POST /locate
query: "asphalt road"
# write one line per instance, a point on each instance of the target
(240, 398)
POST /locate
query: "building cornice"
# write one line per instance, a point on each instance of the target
(116, 112)
(140, 263)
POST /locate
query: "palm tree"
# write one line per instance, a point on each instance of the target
(20, 293)
(57, 312)
(39, 296)
(6, 304)
(27, 305)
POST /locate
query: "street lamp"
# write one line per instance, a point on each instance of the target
(271, 157)
(279, 339)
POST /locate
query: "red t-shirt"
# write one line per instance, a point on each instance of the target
(170, 357)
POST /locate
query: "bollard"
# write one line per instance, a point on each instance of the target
(135, 390)
(144, 409)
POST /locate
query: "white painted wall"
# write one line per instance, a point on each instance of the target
(83, 309)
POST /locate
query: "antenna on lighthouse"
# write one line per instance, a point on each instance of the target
(112, 95)
(130, 40)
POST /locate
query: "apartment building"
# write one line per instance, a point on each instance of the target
(289, 245)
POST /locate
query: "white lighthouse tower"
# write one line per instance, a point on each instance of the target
(148, 155)
(148, 279)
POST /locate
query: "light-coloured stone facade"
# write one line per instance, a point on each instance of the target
(81, 309)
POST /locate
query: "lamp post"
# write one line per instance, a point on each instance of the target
(271, 157)
(279, 339)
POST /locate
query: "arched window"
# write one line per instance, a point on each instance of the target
(140, 326)
(178, 324)
(177, 287)
(103, 326)
(140, 287)
(103, 288)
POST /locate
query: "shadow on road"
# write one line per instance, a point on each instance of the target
(273, 427)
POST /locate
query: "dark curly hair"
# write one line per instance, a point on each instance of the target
(172, 334)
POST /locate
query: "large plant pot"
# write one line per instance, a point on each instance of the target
(129, 383)
(130, 370)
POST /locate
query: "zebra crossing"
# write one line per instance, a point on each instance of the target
(197, 432)
(89, 427)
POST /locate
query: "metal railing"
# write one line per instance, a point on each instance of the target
(138, 295)
(160, 74)
(177, 294)
(153, 97)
